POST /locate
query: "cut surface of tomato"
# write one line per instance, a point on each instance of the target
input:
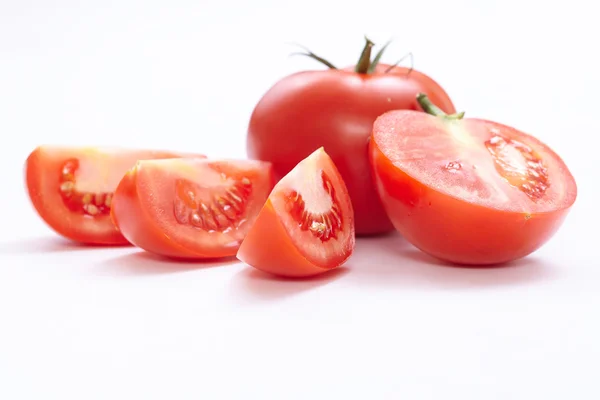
(468, 191)
(72, 188)
(306, 226)
(191, 208)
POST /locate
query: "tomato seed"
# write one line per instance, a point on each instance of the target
(219, 214)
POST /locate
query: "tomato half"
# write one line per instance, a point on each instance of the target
(191, 208)
(335, 109)
(72, 188)
(306, 226)
(468, 191)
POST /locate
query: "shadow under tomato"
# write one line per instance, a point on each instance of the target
(39, 245)
(392, 261)
(260, 285)
(144, 263)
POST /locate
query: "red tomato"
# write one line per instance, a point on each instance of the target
(71, 188)
(335, 109)
(191, 208)
(306, 226)
(468, 191)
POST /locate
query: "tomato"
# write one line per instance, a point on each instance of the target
(335, 109)
(468, 191)
(191, 208)
(306, 226)
(71, 188)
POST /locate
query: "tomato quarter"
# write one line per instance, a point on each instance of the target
(191, 208)
(72, 188)
(306, 226)
(468, 191)
(335, 109)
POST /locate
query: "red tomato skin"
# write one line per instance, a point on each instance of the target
(267, 247)
(454, 230)
(335, 109)
(128, 213)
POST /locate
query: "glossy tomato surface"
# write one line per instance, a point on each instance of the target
(191, 208)
(469, 191)
(306, 226)
(335, 109)
(72, 188)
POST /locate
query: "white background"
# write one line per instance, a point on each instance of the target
(115, 324)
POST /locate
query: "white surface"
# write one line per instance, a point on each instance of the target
(115, 324)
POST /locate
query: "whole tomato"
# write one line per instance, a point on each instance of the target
(335, 109)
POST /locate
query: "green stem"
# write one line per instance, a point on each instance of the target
(362, 67)
(377, 58)
(432, 109)
(315, 57)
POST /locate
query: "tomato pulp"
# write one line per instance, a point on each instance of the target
(72, 188)
(335, 109)
(306, 226)
(468, 191)
(191, 208)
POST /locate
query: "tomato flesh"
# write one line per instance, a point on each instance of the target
(468, 191)
(191, 208)
(71, 188)
(307, 224)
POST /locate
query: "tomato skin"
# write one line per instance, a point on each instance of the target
(455, 230)
(335, 109)
(145, 224)
(42, 171)
(128, 214)
(268, 248)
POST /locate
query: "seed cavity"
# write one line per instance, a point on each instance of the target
(519, 165)
(92, 204)
(219, 213)
(323, 226)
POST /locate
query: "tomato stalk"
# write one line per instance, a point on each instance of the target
(364, 62)
(312, 55)
(434, 110)
(364, 65)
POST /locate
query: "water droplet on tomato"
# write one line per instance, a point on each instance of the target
(453, 166)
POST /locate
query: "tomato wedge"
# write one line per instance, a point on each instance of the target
(72, 188)
(306, 226)
(468, 191)
(191, 208)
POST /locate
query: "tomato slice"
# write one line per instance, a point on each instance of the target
(306, 226)
(72, 188)
(191, 208)
(468, 191)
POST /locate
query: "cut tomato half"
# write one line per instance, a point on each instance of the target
(306, 226)
(72, 188)
(191, 208)
(468, 191)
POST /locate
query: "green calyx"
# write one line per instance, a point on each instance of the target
(365, 64)
(434, 110)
